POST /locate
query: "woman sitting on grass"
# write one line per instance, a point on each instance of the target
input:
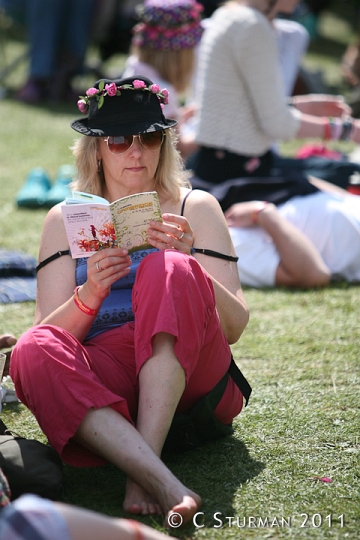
(121, 343)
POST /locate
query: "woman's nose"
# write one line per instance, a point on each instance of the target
(136, 145)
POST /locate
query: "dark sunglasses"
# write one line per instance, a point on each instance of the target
(122, 143)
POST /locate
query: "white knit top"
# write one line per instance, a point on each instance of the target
(242, 107)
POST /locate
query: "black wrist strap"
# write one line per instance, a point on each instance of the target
(216, 254)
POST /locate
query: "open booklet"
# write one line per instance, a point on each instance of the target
(92, 223)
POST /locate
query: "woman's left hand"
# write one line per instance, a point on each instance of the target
(174, 232)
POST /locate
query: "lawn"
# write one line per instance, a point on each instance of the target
(300, 352)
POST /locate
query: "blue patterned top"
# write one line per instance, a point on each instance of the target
(116, 309)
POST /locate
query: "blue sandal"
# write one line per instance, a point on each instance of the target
(34, 192)
(60, 190)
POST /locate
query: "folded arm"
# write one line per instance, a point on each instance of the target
(300, 263)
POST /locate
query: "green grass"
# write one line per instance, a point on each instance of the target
(299, 351)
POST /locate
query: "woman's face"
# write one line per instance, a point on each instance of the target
(132, 171)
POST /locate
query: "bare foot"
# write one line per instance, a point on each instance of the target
(139, 501)
(183, 512)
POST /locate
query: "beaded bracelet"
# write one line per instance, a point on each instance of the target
(80, 304)
(336, 126)
(255, 213)
(346, 129)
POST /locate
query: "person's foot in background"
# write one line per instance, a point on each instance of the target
(34, 91)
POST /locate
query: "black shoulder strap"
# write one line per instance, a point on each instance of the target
(52, 258)
(208, 252)
(240, 380)
(183, 203)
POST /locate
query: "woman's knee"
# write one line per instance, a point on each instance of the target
(175, 267)
(35, 347)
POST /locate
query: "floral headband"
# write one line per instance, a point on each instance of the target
(111, 90)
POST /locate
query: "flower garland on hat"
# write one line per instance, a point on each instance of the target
(111, 90)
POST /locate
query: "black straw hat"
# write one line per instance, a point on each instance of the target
(123, 107)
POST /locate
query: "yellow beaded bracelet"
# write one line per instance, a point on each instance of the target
(80, 304)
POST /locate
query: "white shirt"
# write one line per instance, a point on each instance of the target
(242, 106)
(329, 220)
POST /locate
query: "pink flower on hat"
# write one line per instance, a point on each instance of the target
(139, 84)
(111, 89)
(82, 106)
(155, 88)
(92, 91)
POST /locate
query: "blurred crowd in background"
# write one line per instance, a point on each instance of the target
(59, 34)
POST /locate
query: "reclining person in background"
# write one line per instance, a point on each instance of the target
(305, 242)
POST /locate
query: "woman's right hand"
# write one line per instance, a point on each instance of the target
(104, 268)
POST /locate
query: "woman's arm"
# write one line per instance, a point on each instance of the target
(56, 281)
(211, 232)
(300, 263)
(259, 66)
(204, 227)
(321, 105)
(324, 185)
(90, 525)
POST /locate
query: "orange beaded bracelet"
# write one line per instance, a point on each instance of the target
(255, 213)
(80, 304)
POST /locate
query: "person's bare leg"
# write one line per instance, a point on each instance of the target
(111, 436)
(161, 382)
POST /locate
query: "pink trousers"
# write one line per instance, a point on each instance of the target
(59, 379)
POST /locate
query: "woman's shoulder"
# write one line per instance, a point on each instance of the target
(241, 14)
(197, 199)
(53, 227)
(54, 215)
(237, 24)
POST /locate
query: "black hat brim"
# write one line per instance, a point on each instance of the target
(81, 126)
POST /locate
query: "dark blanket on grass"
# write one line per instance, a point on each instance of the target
(17, 277)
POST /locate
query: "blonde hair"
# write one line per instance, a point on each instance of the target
(176, 67)
(169, 177)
